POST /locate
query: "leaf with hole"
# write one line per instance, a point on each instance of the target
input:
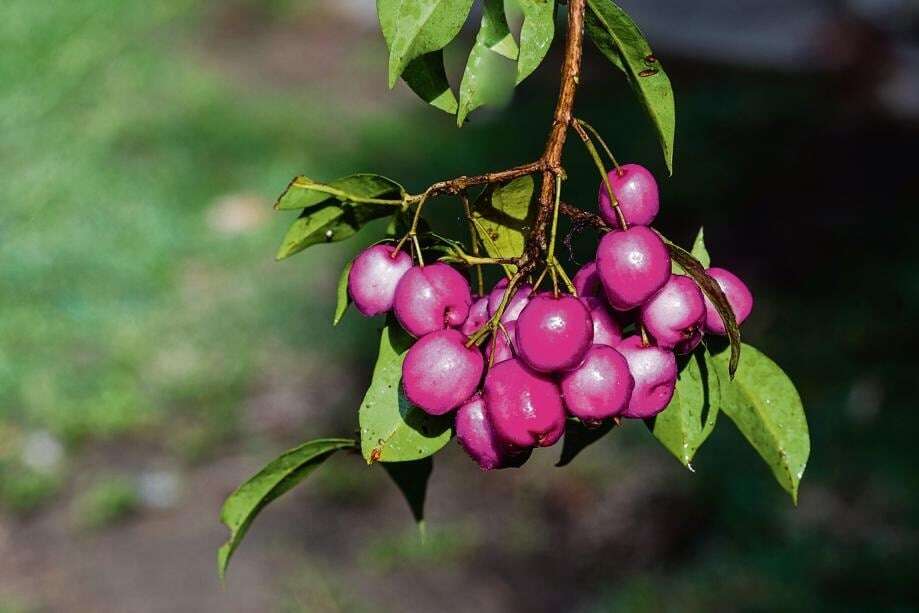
(277, 478)
(764, 404)
(488, 76)
(420, 27)
(536, 35)
(425, 75)
(392, 429)
(503, 216)
(690, 417)
(622, 43)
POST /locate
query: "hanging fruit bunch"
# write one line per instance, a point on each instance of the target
(645, 332)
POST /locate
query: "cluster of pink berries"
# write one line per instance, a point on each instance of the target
(552, 355)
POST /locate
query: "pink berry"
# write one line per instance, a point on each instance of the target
(607, 330)
(430, 298)
(524, 407)
(554, 333)
(478, 315)
(587, 282)
(739, 297)
(440, 373)
(500, 346)
(654, 372)
(633, 264)
(477, 437)
(674, 315)
(516, 303)
(636, 190)
(373, 278)
(600, 387)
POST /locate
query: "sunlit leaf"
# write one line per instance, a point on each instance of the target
(277, 478)
(392, 429)
(619, 39)
(690, 417)
(536, 35)
(482, 79)
(504, 216)
(343, 298)
(421, 27)
(699, 251)
(304, 192)
(328, 223)
(767, 409)
(425, 75)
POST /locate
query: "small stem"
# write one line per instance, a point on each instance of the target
(565, 278)
(476, 337)
(603, 174)
(474, 241)
(554, 230)
(603, 144)
(418, 250)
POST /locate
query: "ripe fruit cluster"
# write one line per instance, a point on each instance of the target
(605, 351)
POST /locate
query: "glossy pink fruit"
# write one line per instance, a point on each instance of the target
(554, 333)
(478, 315)
(636, 190)
(654, 372)
(514, 306)
(739, 297)
(633, 264)
(587, 282)
(606, 329)
(502, 344)
(524, 407)
(430, 298)
(374, 276)
(477, 437)
(674, 315)
(440, 373)
(600, 387)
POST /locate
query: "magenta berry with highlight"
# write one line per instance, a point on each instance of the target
(440, 373)
(633, 265)
(600, 387)
(675, 314)
(524, 407)
(554, 333)
(654, 372)
(373, 278)
(635, 190)
(739, 297)
(477, 437)
(430, 298)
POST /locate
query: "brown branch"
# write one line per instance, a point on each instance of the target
(581, 216)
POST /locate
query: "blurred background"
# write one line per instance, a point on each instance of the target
(153, 355)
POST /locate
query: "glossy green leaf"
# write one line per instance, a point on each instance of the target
(328, 223)
(503, 217)
(690, 417)
(277, 478)
(578, 436)
(699, 251)
(392, 429)
(619, 39)
(303, 192)
(425, 75)
(536, 35)
(692, 267)
(767, 409)
(482, 78)
(343, 298)
(412, 480)
(421, 27)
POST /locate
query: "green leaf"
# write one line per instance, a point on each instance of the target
(425, 75)
(690, 417)
(328, 223)
(619, 39)
(277, 478)
(767, 409)
(699, 251)
(422, 26)
(504, 215)
(412, 480)
(692, 267)
(578, 436)
(344, 299)
(392, 429)
(303, 192)
(482, 76)
(536, 34)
